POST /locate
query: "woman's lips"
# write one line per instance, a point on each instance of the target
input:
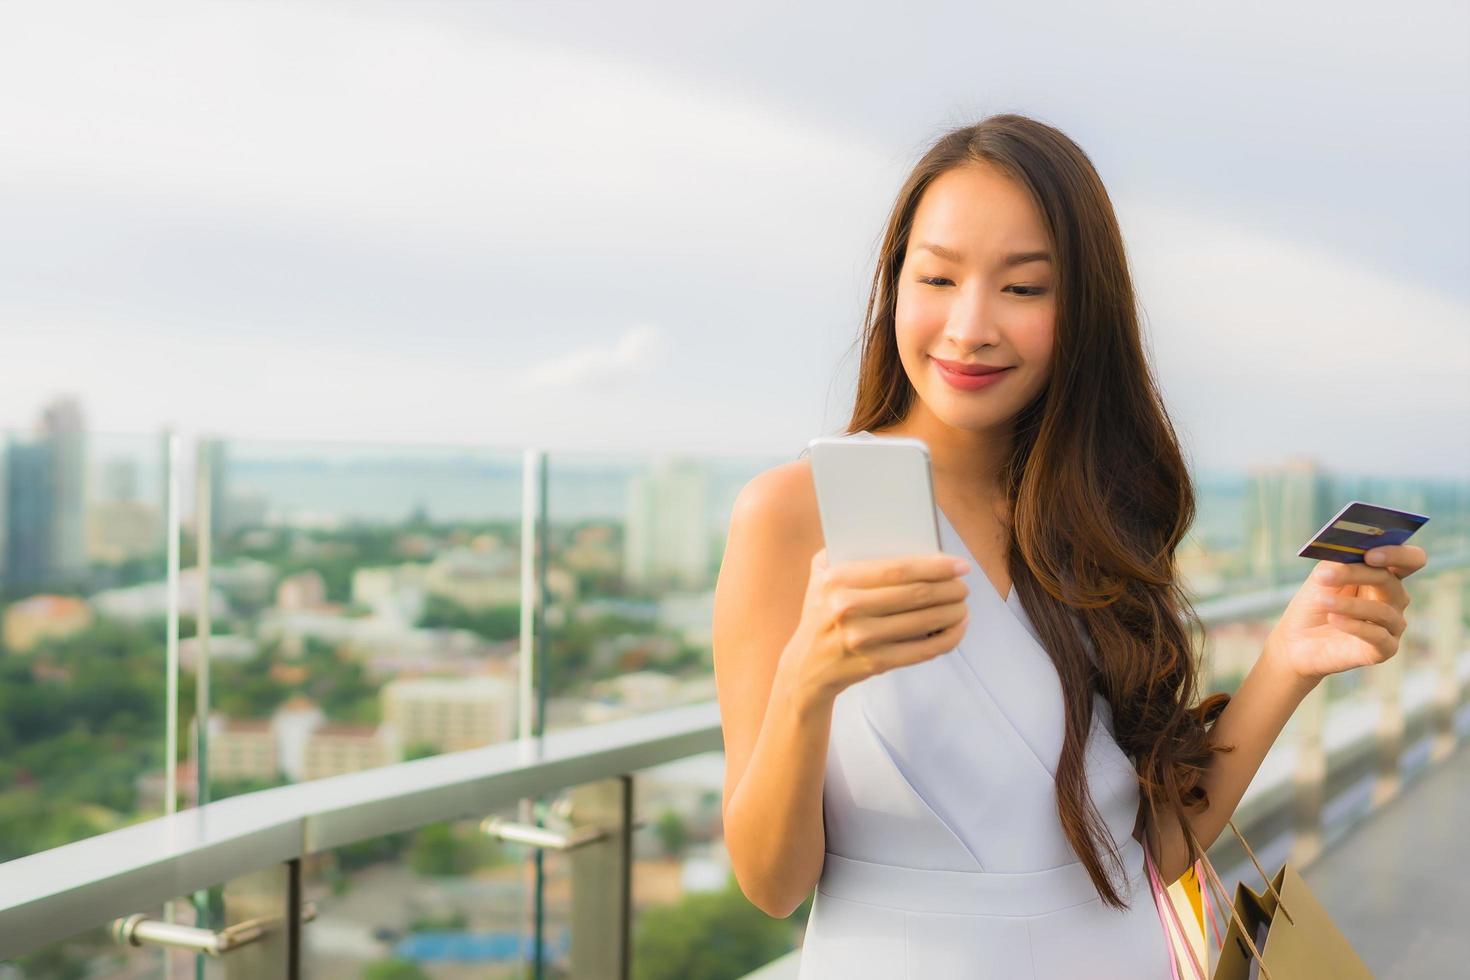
(970, 382)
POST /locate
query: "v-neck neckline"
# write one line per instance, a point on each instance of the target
(974, 564)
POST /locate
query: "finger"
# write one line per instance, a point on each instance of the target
(1406, 559)
(871, 633)
(886, 600)
(869, 573)
(1382, 643)
(1338, 574)
(1367, 610)
(924, 648)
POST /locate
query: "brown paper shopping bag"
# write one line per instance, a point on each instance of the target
(1284, 928)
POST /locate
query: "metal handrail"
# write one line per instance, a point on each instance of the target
(62, 891)
(1234, 608)
(139, 930)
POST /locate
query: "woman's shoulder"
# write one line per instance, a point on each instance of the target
(783, 501)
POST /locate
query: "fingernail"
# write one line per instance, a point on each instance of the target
(961, 567)
(1377, 557)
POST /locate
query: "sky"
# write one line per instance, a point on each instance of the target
(646, 227)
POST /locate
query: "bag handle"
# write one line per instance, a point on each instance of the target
(1211, 880)
(1280, 902)
(1161, 898)
(1224, 897)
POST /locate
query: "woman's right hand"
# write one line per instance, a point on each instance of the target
(862, 618)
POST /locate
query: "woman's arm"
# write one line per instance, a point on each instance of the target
(1251, 722)
(775, 732)
(1343, 616)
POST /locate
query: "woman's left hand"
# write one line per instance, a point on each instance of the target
(1347, 615)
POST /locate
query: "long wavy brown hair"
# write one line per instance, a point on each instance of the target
(1100, 495)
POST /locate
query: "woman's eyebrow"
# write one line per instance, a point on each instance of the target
(1015, 258)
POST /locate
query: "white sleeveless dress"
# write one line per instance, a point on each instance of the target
(945, 854)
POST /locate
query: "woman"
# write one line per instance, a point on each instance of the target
(966, 762)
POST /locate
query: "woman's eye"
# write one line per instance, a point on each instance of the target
(1020, 290)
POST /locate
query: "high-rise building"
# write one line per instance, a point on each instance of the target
(667, 535)
(219, 513)
(61, 427)
(44, 506)
(1285, 506)
(119, 524)
(28, 515)
(120, 480)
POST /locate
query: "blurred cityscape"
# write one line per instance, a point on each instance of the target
(365, 608)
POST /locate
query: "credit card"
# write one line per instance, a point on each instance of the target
(1359, 527)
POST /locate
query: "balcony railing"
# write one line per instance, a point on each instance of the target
(47, 896)
(245, 862)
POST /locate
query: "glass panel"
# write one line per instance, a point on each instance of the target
(1282, 505)
(90, 954)
(635, 546)
(690, 917)
(261, 898)
(443, 901)
(366, 610)
(365, 607)
(83, 605)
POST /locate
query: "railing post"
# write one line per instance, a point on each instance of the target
(1309, 780)
(1388, 685)
(273, 893)
(293, 919)
(1446, 612)
(602, 881)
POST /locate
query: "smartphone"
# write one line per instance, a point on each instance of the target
(876, 496)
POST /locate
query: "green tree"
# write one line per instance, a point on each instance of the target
(75, 738)
(394, 970)
(708, 936)
(446, 849)
(223, 789)
(351, 857)
(493, 623)
(455, 921)
(673, 835)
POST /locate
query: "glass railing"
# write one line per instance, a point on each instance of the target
(370, 612)
(342, 611)
(84, 630)
(393, 876)
(634, 549)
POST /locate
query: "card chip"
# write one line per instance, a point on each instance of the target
(1359, 528)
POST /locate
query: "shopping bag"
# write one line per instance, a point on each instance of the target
(1188, 900)
(1281, 933)
(1186, 944)
(1306, 945)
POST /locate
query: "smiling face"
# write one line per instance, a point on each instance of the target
(978, 296)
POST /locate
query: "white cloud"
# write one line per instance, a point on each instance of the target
(1267, 347)
(367, 118)
(740, 228)
(632, 356)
